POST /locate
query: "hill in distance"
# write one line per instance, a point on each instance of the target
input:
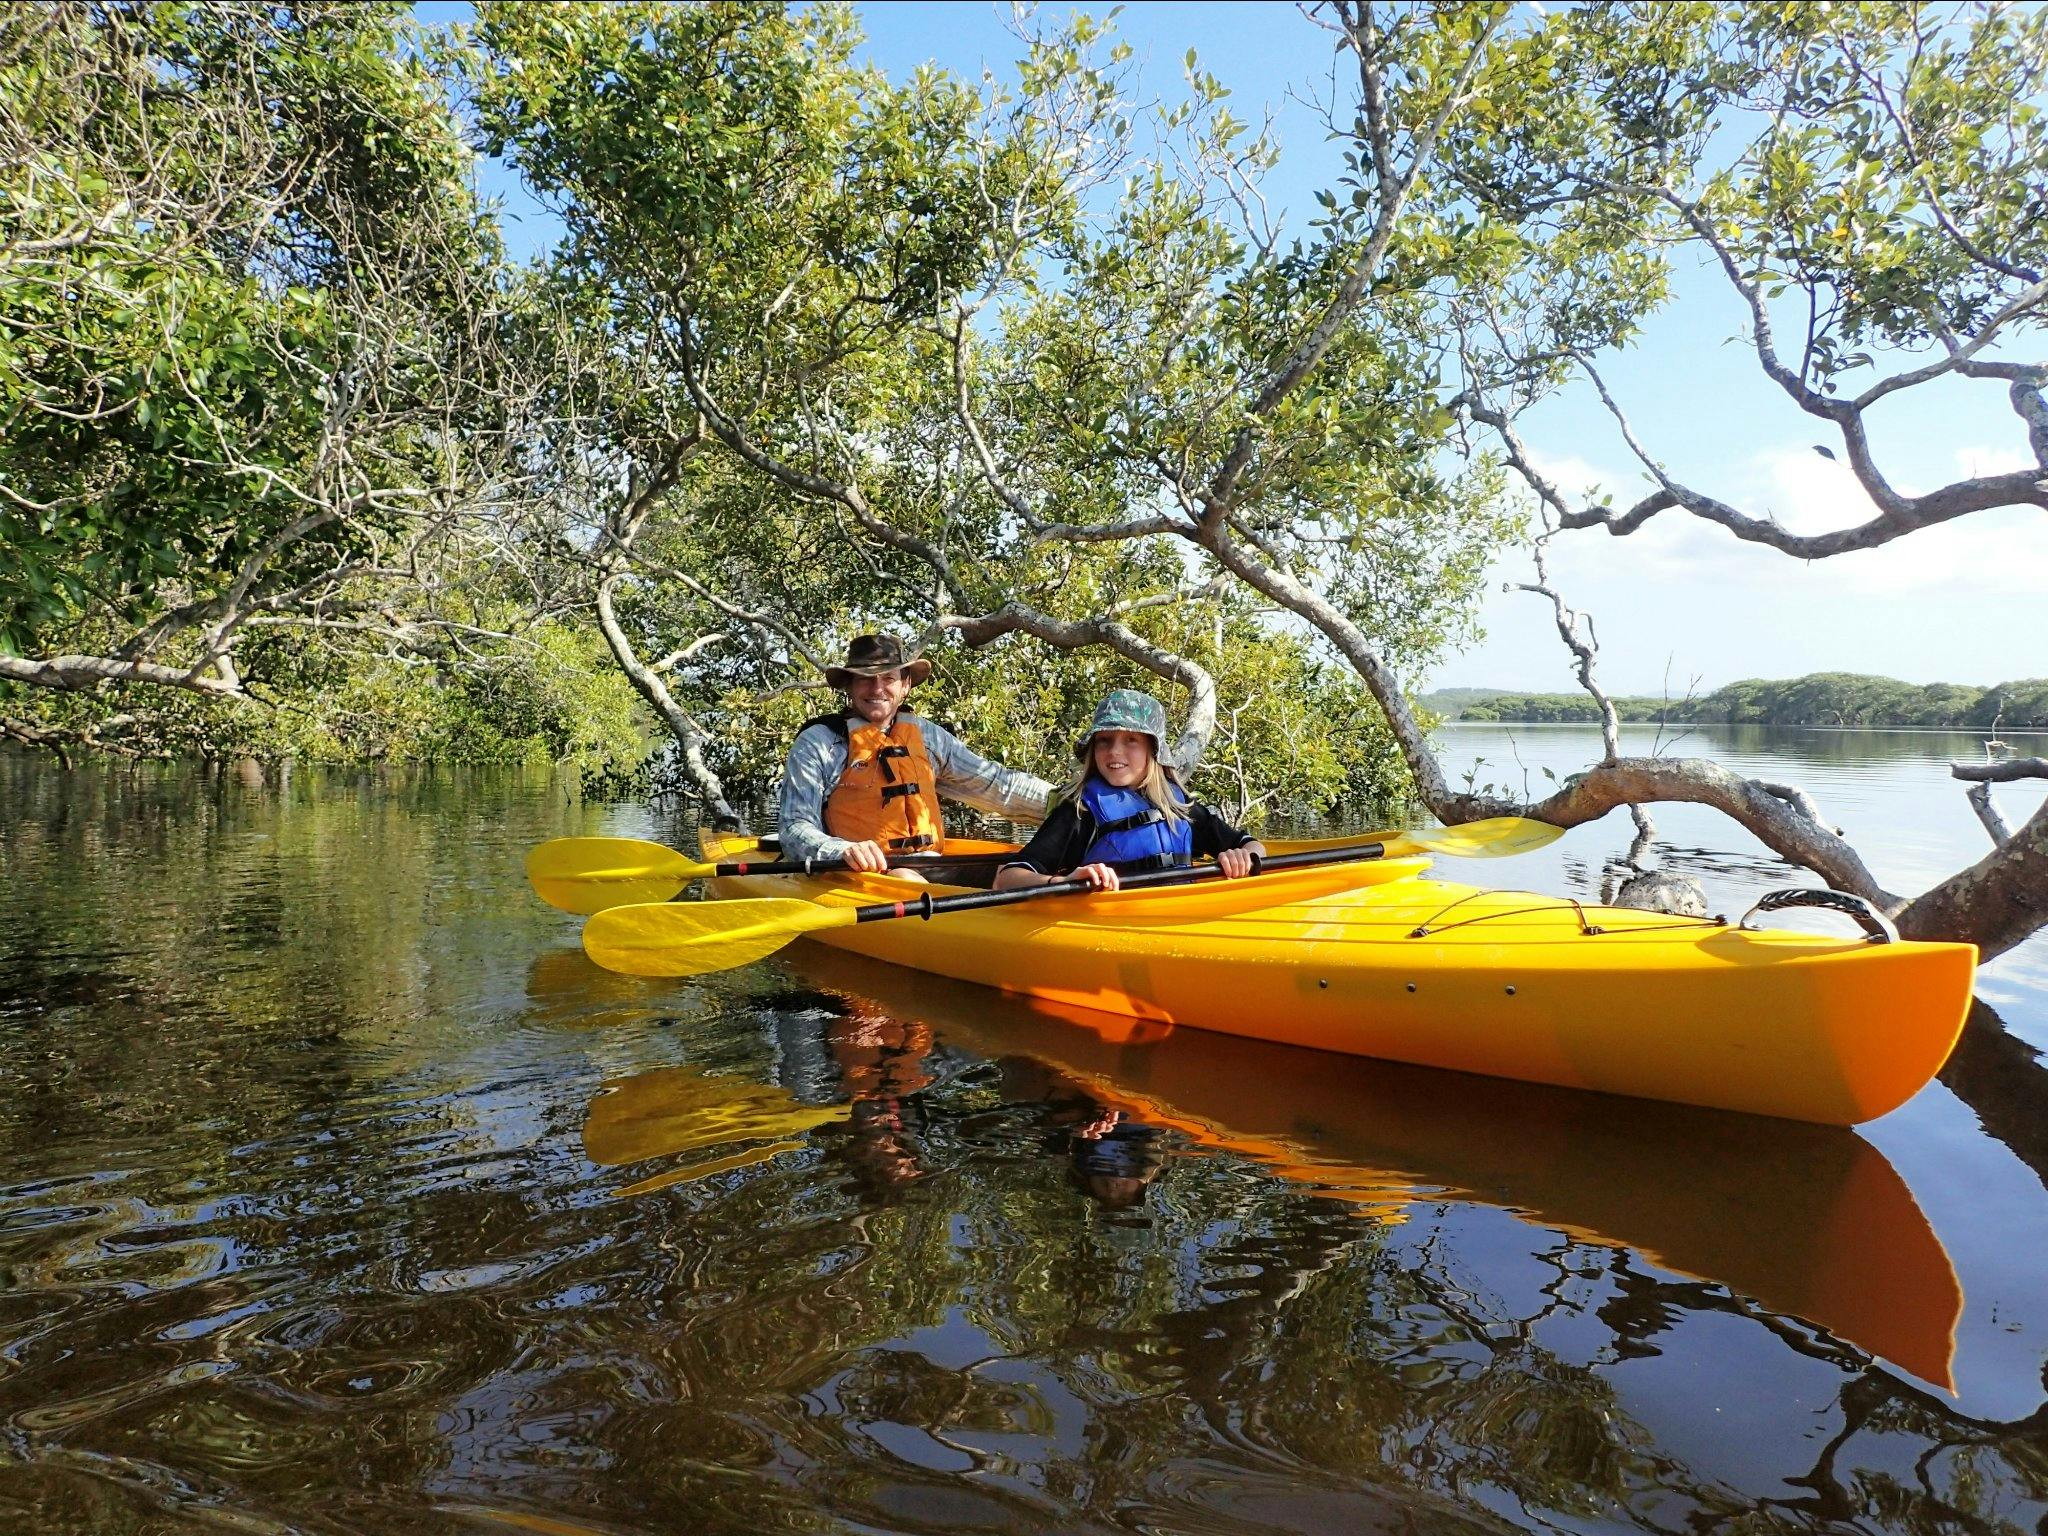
(1838, 699)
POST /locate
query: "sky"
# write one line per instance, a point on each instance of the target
(1681, 605)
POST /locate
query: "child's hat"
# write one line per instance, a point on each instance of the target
(1126, 709)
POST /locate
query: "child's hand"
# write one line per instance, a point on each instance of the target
(1101, 876)
(1236, 863)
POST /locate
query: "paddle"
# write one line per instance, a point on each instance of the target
(692, 938)
(588, 874)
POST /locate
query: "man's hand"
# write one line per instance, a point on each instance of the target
(1236, 863)
(868, 858)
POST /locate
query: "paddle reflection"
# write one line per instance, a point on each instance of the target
(680, 1112)
(872, 1066)
(1805, 1220)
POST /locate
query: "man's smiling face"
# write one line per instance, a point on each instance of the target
(876, 699)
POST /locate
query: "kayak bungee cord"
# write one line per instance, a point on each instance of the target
(1589, 930)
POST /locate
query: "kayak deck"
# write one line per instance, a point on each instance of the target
(1543, 989)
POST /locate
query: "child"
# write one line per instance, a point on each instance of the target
(1126, 811)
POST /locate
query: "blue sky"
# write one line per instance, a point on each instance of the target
(1680, 601)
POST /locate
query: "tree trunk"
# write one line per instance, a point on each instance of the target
(689, 735)
(1996, 902)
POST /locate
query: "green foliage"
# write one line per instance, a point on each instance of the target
(1875, 170)
(747, 205)
(258, 361)
(721, 165)
(1544, 708)
(2022, 704)
(216, 205)
(1909, 148)
(184, 187)
(555, 697)
(1851, 699)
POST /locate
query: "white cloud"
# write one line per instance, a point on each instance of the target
(1963, 600)
(1975, 462)
(2003, 551)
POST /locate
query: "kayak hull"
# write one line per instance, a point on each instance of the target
(1823, 1028)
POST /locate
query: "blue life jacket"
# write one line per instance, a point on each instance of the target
(1132, 833)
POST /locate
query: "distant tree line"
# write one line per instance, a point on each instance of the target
(1818, 699)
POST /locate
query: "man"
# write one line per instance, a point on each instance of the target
(863, 784)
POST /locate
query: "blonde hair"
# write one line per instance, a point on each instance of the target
(1157, 786)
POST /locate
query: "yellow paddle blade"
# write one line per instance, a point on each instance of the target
(1318, 844)
(691, 938)
(1497, 838)
(588, 874)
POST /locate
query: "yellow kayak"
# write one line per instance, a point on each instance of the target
(1368, 960)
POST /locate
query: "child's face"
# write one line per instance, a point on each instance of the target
(1123, 758)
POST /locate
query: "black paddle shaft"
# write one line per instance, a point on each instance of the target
(826, 866)
(928, 907)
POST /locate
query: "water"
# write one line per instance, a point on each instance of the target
(338, 1193)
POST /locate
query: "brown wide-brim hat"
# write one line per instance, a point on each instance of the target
(872, 655)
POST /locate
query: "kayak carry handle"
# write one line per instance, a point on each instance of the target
(1877, 928)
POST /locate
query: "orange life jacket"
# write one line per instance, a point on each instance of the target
(888, 793)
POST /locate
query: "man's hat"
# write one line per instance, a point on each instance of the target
(871, 656)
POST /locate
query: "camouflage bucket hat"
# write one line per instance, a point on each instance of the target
(1126, 709)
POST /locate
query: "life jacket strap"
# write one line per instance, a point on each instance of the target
(898, 791)
(1143, 818)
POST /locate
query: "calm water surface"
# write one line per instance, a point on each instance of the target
(338, 1193)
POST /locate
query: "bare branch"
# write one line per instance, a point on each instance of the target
(1575, 629)
(1075, 634)
(1800, 801)
(1958, 358)
(1395, 186)
(1979, 796)
(2006, 771)
(83, 674)
(690, 736)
